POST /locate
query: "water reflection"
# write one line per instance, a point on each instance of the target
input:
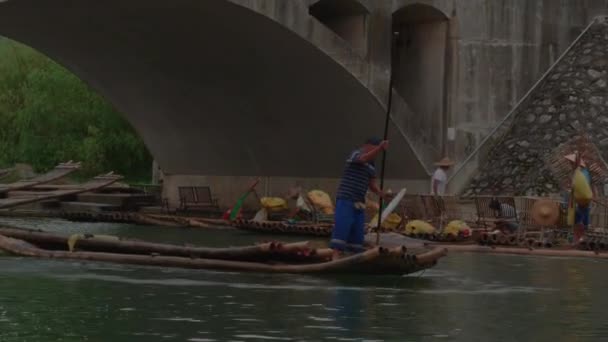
(348, 309)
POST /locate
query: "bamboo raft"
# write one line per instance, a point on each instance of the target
(179, 221)
(279, 227)
(536, 243)
(58, 172)
(145, 218)
(437, 237)
(569, 252)
(270, 257)
(324, 230)
(94, 184)
(596, 242)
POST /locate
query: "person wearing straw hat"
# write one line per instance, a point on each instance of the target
(440, 176)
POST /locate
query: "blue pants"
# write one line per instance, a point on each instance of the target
(581, 215)
(349, 227)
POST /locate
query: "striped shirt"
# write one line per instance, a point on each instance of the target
(507, 211)
(355, 179)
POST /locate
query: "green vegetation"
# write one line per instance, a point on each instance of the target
(48, 116)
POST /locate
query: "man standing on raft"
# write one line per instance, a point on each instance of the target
(359, 175)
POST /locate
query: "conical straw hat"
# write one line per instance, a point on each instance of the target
(444, 162)
(572, 158)
(545, 212)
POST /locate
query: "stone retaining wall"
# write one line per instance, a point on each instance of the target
(572, 99)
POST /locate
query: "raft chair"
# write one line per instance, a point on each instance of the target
(197, 198)
(487, 217)
(524, 207)
(317, 214)
(412, 208)
(527, 225)
(599, 216)
(440, 210)
(432, 208)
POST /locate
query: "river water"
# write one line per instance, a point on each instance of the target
(466, 297)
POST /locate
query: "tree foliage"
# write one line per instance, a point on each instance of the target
(48, 116)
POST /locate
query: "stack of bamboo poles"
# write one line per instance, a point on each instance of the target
(270, 257)
(148, 219)
(284, 228)
(438, 237)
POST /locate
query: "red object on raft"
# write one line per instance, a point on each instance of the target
(226, 215)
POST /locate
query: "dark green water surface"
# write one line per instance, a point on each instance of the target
(465, 298)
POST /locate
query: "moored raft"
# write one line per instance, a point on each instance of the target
(144, 219)
(437, 237)
(112, 244)
(553, 243)
(268, 257)
(547, 252)
(280, 227)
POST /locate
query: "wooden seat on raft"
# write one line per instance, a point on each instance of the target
(318, 216)
(440, 210)
(487, 217)
(197, 198)
(437, 210)
(527, 226)
(412, 208)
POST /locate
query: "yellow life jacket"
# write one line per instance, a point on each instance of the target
(457, 227)
(391, 222)
(419, 227)
(320, 199)
(274, 203)
(581, 188)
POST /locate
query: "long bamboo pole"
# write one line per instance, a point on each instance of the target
(22, 248)
(394, 63)
(254, 252)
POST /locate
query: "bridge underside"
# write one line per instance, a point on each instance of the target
(213, 88)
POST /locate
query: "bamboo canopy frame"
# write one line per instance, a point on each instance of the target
(584, 148)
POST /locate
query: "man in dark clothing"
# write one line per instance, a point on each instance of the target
(359, 175)
(506, 214)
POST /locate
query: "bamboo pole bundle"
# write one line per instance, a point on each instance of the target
(255, 252)
(143, 219)
(430, 257)
(370, 261)
(284, 228)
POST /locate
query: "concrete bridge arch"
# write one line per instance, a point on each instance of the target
(213, 87)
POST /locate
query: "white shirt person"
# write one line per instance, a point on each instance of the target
(439, 179)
